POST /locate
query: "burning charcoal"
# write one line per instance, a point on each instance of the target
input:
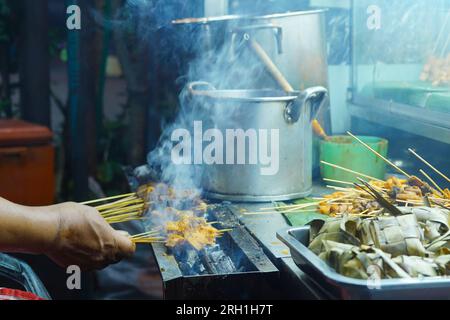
(216, 260)
(188, 260)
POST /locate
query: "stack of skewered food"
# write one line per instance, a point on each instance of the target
(126, 207)
(195, 231)
(402, 192)
(351, 200)
(175, 216)
(182, 215)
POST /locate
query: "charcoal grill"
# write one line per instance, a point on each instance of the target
(236, 268)
(265, 271)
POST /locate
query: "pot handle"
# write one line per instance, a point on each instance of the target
(192, 87)
(313, 94)
(247, 29)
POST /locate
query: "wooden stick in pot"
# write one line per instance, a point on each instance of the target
(282, 81)
(271, 67)
(319, 130)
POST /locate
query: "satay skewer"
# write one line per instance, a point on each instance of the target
(428, 164)
(432, 181)
(350, 171)
(379, 155)
(107, 199)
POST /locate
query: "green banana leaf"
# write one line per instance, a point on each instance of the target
(300, 219)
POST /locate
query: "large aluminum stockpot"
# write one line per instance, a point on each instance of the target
(274, 121)
(301, 54)
(295, 41)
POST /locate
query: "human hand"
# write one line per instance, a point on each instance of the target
(85, 239)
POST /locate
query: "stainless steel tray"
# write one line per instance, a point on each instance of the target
(342, 287)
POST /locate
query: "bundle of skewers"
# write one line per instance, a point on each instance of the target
(353, 200)
(125, 207)
(179, 214)
(129, 207)
(152, 236)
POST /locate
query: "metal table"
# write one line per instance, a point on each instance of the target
(264, 228)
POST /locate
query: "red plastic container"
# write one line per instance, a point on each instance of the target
(27, 158)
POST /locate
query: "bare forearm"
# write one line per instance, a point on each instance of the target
(68, 233)
(26, 229)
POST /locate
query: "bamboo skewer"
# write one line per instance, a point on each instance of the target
(289, 206)
(124, 217)
(432, 181)
(158, 229)
(107, 199)
(146, 236)
(341, 188)
(151, 236)
(149, 240)
(135, 218)
(126, 207)
(350, 183)
(338, 181)
(429, 164)
(123, 210)
(117, 205)
(294, 207)
(351, 171)
(379, 155)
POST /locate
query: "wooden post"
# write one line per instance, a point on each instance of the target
(137, 59)
(5, 93)
(34, 62)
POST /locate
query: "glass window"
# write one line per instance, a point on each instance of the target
(401, 54)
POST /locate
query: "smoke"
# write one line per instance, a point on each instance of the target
(201, 53)
(208, 52)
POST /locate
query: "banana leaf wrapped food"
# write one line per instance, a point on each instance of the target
(341, 230)
(362, 262)
(349, 260)
(418, 266)
(443, 263)
(413, 244)
(434, 221)
(440, 245)
(396, 235)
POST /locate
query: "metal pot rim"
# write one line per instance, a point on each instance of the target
(234, 17)
(206, 20)
(289, 14)
(227, 95)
